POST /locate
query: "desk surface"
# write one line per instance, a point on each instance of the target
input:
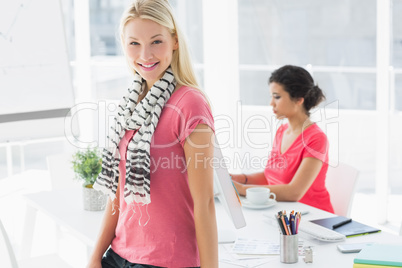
(66, 208)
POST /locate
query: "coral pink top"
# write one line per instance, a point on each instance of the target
(163, 232)
(281, 168)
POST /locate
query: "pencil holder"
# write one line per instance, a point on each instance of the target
(289, 248)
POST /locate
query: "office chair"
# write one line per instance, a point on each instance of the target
(341, 185)
(8, 259)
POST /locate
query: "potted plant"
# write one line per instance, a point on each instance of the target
(87, 164)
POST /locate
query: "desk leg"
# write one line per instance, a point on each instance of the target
(90, 249)
(58, 236)
(9, 160)
(400, 230)
(28, 232)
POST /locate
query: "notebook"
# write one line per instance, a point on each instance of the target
(380, 254)
(352, 228)
(359, 265)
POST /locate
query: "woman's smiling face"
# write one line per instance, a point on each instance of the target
(149, 48)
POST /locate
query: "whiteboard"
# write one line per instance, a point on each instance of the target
(33, 55)
(35, 78)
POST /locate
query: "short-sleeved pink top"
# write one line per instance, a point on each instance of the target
(163, 232)
(281, 167)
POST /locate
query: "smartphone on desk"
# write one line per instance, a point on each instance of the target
(352, 247)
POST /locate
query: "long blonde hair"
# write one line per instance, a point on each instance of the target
(160, 12)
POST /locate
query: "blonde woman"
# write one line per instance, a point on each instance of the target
(161, 212)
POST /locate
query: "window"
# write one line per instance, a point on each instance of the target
(397, 52)
(337, 39)
(396, 92)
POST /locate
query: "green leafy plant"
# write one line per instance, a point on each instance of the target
(87, 165)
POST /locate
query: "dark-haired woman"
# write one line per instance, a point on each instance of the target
(298, 162)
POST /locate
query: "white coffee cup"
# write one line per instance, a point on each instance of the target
(259, 195)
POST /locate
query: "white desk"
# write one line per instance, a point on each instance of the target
(65, 207)
(325, 254)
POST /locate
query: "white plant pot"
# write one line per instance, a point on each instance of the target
(93, 200)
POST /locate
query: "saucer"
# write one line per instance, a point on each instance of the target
(247, 204)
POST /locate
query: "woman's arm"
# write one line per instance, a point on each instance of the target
(107, 231)
(199, 152)
(255, 178)
(301, 182)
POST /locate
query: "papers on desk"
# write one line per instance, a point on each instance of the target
(258, 247)
(251, 252)
(255, 247)
(226, 255)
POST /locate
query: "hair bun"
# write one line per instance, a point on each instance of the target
(299, 83)
(313, 97)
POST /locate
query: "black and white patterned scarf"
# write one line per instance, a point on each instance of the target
(144, 118)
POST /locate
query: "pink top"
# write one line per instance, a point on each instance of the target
(163, 233)
(281, 168)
